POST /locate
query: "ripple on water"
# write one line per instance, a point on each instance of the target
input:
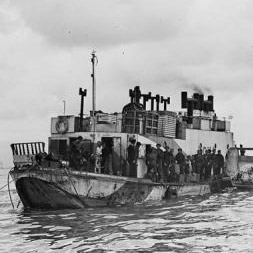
(217, 223)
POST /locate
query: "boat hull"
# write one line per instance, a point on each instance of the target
(50, 188)
(243, 185)
(37, 193)
(62, 188)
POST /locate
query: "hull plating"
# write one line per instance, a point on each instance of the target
(60, 188)
(57, 188)
(36, 193)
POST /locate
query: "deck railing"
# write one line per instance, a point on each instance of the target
(24, 153)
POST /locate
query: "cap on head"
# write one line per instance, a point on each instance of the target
(132, 141)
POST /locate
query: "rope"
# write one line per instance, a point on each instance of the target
(5, 185)
(19, 202)
(8, 180)
(75, 189)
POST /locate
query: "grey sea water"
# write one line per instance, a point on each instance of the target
(217, 223)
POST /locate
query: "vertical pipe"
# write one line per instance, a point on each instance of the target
(165, 105)
(64, 107)
(152, 103)
(184, 100)
(145, 99)
(157, 98)
(131, 95)
(81, 111)
(93, 98)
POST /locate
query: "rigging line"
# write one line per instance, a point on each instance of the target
(75, 189)
(8, 179)
(5, 185)
(19, 202)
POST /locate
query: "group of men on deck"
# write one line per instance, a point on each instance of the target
(99, 162)
(164, 166)
(161, 163)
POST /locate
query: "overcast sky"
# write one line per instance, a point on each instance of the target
(163, 46)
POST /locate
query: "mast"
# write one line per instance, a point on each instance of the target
(93, 97)
(64, 107)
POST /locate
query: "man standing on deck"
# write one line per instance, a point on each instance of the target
(166, 163)
(180, 159)
(242, 150)
(208, 164)
(106, 155)
(76, 153)
(131, 158)
(219, 163)
(138, 160)
(199, 164)
(98, 163)
(159, 162)
(151, 164)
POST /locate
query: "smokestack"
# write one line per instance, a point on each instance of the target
(131, 95)
(184, 99)
(206, 106)
(196, 101)
(137, 94)
(201, 102)
(196, 96)
(210, 99)
(190, 111)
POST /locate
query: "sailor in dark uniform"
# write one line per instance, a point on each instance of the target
(131, 158)
(219, 162)
(180, 159)
(159, 162)
(76, 153)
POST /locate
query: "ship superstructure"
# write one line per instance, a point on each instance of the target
(196, 128)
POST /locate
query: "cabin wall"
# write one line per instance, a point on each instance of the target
(208, 139)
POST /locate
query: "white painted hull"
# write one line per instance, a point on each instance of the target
(61, 188)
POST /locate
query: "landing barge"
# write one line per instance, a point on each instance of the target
(62, 178)
(57, 187)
